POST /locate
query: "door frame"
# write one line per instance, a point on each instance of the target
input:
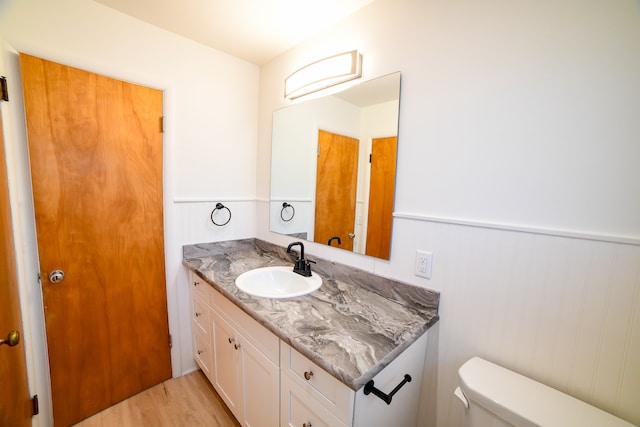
(17, 407)
(24, 238)
(133, 147)
(27, 259)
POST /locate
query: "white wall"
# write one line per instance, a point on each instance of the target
(210, 107)
(518, 137)
(518, 168)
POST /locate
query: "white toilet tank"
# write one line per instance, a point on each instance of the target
(494, 397)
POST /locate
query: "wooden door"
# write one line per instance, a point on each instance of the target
(336, 179)
(15, 405)
(381, 196)
(95, 146)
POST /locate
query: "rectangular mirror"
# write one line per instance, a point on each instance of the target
(333, 167)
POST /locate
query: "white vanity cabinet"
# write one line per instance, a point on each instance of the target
(201, 294)
(266, 383)
(239, 356)
(311, 397)
(403, 411)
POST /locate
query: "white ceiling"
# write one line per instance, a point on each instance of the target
(254, 30)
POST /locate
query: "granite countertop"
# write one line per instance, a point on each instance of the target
(353, 326)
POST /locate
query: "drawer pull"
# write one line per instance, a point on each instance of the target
(198, 314)
(369, 388)
(307, 376)
(231, 340)
(236, 346)
(307, 424)
(200, 351)
(196, 283)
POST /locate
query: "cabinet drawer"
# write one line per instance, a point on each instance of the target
(261, 338)
(200, 287)
(200, 314)
(202, 352)
(298, 410)
(331, 393)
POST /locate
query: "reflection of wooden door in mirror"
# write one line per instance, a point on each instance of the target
(335, 211)
(381, 195)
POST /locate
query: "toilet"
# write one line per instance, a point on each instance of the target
(494, 397)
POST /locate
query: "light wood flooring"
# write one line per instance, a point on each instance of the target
(186, 401)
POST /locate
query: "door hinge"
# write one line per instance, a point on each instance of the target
(4, 91)
(170, 341)
(36, 406)
(162, 124)
(370, 157)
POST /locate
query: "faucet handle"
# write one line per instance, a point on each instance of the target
(302, 266)
(307, 267)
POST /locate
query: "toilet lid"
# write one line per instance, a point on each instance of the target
(524, 402)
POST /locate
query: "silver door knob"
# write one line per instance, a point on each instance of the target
(351, 235)
(56, 276)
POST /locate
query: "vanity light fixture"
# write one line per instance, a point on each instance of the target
(324, 73)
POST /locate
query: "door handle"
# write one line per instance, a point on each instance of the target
(56, 276)
(12, 339)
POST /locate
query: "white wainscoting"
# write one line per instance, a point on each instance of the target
(194, 220)
(190, 223)
(562, 310)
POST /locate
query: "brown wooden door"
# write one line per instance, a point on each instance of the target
(336, 177)
(15, 404)
(95, 146)
(381, 196)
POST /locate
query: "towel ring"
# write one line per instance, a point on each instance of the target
(293, 212)
(220, 206)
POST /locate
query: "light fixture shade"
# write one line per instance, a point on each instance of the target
(324, 73)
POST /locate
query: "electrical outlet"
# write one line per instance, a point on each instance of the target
(424, 264)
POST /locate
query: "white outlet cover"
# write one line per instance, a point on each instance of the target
(424, 264)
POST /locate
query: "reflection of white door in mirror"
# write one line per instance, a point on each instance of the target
(367, 111)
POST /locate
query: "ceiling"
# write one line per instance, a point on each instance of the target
(254, 30)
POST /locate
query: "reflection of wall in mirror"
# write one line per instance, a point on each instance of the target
(293, 161)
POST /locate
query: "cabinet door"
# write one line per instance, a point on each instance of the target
(227, 359)
(300, 409)
(336, 397)
(202, 351)
(261, 383)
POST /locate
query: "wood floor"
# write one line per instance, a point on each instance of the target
(186, 401)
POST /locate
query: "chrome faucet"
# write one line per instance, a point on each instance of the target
(302, 266)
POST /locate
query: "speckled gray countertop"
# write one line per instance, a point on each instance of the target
(353, 326)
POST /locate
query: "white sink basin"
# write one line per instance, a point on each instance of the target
(277, 282)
